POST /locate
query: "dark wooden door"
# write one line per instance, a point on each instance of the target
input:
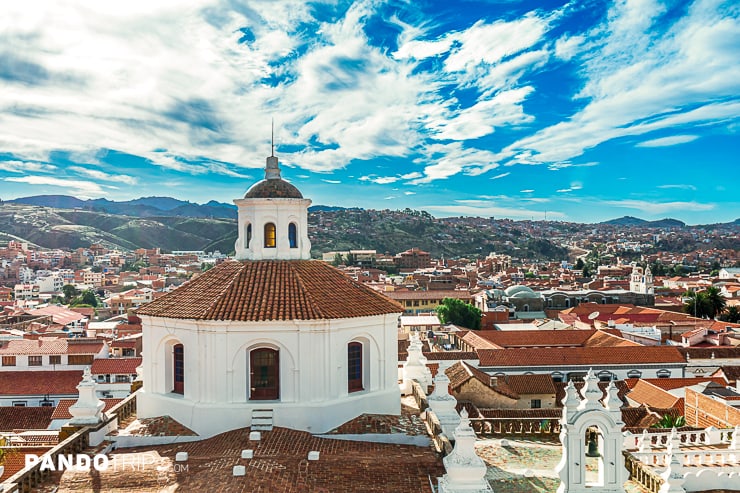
(264, 374)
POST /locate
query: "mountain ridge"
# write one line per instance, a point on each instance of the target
(168, 206)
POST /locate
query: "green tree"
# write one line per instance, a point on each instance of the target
(732, 315)
(669, 421)
(696, 304)
(87, 298)
(455, 311)
(338, 259)
(69, 292)
(715, 301)
(579, 264)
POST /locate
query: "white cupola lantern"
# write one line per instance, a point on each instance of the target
(273, 220)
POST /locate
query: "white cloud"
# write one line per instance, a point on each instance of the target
(641, 77)
(172, 83)
(409, 193)
(668, 141)
(567, 47)
(385, 180)
(26, 166)
(492, 210)
(660, 207)
(573, 187)
(490, 43)
(679, 187)
(333, 182)
(99, 175)
(526, 191)
(501, 175)
(81, 188)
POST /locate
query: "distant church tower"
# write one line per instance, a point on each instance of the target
(641, 282)
(273, 219)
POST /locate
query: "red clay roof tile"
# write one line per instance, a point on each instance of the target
(62, 409)
(121, 366)
(25, 418)
(555, 356)
(39, 382)
(255, 291)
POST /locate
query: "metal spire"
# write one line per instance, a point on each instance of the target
(272, 136)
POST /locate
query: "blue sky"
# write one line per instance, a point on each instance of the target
(580, 111)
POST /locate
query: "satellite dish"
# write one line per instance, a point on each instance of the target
(593, 315)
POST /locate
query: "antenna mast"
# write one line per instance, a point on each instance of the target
(272, 136)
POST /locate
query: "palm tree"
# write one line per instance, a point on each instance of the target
(670, 421)
(715, 301)
(696, 304)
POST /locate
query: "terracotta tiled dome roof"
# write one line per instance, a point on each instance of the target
(253, 291)
(273, 189)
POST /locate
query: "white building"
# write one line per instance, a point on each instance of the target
(641, 282)
(273, 330)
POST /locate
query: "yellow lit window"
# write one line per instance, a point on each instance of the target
(269, 235)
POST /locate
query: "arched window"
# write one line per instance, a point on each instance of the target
(292, 235)
(663, 373)
(605, 376)
(354, 367)
(557, 377)
(270, 241)
(634, 374)
(178, 363)
(264, 374)
(248, 236)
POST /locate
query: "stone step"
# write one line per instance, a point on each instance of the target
(261, 420)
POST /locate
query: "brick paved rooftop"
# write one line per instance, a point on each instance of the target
(279, 465)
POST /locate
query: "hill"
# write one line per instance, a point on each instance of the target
(329, 229)
(141, 207)
(630, 221)
(74, 228)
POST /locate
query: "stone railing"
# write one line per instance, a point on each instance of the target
(419, 395)
(515, 426)
(124, 409)
(690, 458)
(642, 474)
(660, 438)
(441, 442)
(29, 478)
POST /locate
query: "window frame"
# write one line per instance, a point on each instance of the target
(355, 367)
(270, 237)
(178, 369)
(248, 235)
(293, 235)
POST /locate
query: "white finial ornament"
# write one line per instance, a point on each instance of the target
(88, 408)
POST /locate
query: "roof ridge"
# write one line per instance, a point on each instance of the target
(312, 305)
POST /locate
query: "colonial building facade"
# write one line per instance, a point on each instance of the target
(272, 331)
